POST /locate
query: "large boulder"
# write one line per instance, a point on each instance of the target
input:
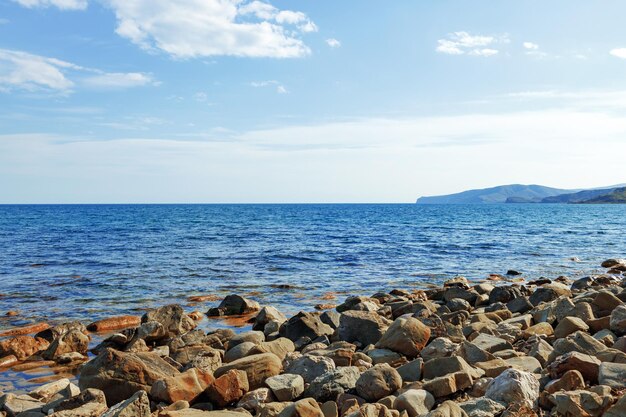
(173, 319)
(365, 327)
(378, 382)
(121, 374)
(406, 335)
(257, 367)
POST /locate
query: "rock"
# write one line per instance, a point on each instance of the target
(411, 371)
(57, 331)
(482, 407)
(310, 367)
(254, 336)
(472, 353)
(448, 409)
(173, 319)
(513, 386)
(7, 361)
(384, 356)
(240, 351)
(504, 294)
(71, 357)
(612, 263)
(362, 326)
(89, 403)
(445, 366)
(279, 347)
(587, 365)
(416, 402)
(371, 410)
(406, 335)
(328, 386)
(24, 330)
(121, 374)
(525, 363)
(136, 406)
(570, 381)
(618, 409)
(568, 326)
(22, 347)
(114, 323)
(47, 391)
(577, 403)
(378, 382)
(491, 343)
(228, 388)
(576, 342)
(612, 374)
(234, 305)
(257, 367)
(549, 292)
(185, 386)
(15, 404)
(304, 408)
(267, 314)
(72, 341)
(439, 348)
(519, 305)
(253, 400)
(305, 325)
(539, 329)
(286, 387)
(618, 319)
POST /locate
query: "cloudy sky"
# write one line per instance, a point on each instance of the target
(306, 101)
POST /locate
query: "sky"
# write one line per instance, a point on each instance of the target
(218, 101)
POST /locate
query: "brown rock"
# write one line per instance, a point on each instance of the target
(406, 335)
(587, 365)
(20, 331)
(228, 388)
(570, 381)
(72, 341)
(378, 382)
(257, 367)
(22, 347)
(306, 407)
(114, 323)
(186, 386)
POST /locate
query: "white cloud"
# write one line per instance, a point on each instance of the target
(201, 28)
(461, 43)
(619, 52)
(61, 4)
(25, 71)
(120, 80)
(375, 160)
(530, 45)
(333, 43)
(280, 89)
(200, 96)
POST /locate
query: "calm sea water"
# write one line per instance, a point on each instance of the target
(92, 261)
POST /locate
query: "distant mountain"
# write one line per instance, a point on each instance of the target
(617, 196)
(495, 195)
(578, 197)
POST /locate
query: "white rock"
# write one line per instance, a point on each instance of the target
(514, 386)
(416, 402)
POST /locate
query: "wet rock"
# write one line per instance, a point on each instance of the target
(72, 341)
(309, 367)
(267, 314)
(7, 361)
(257, 367)
(305, 325)
(228, 388)
(416, 402)
(613, 262)
(513, 386)
(57, 331)
(286, 387)
(22, 347)
(24, 330)
(121, 374)
(114, 323)
(173, 319)
(406, 335)
(378, 382)
(234, 305)
(186, 386)
(362, 326)
(136, 406)
(328, 386)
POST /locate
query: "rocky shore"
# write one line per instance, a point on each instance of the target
(495, 348)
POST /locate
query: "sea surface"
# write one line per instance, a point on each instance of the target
(61, 262)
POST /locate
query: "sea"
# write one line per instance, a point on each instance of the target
(86, 262)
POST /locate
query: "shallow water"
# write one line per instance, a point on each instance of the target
(92, 261)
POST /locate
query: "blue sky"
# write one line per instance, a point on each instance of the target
(306, 101)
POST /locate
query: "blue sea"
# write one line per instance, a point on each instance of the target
(61, 262)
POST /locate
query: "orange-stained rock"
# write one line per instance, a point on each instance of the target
(30, 329)
(7, 361)
(257, 367)
(114, 323)
(228, 388)
(203, 298)
(185, 386)
(22, 347)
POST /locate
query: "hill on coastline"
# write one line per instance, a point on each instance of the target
(519, 193)
(495, 195)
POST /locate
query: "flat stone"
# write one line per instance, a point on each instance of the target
(568, 326)
(482, 407)
(411, 371)
(286, 387)
(491, 343)
(612, 374)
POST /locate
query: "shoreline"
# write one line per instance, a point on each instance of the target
(495, 347)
